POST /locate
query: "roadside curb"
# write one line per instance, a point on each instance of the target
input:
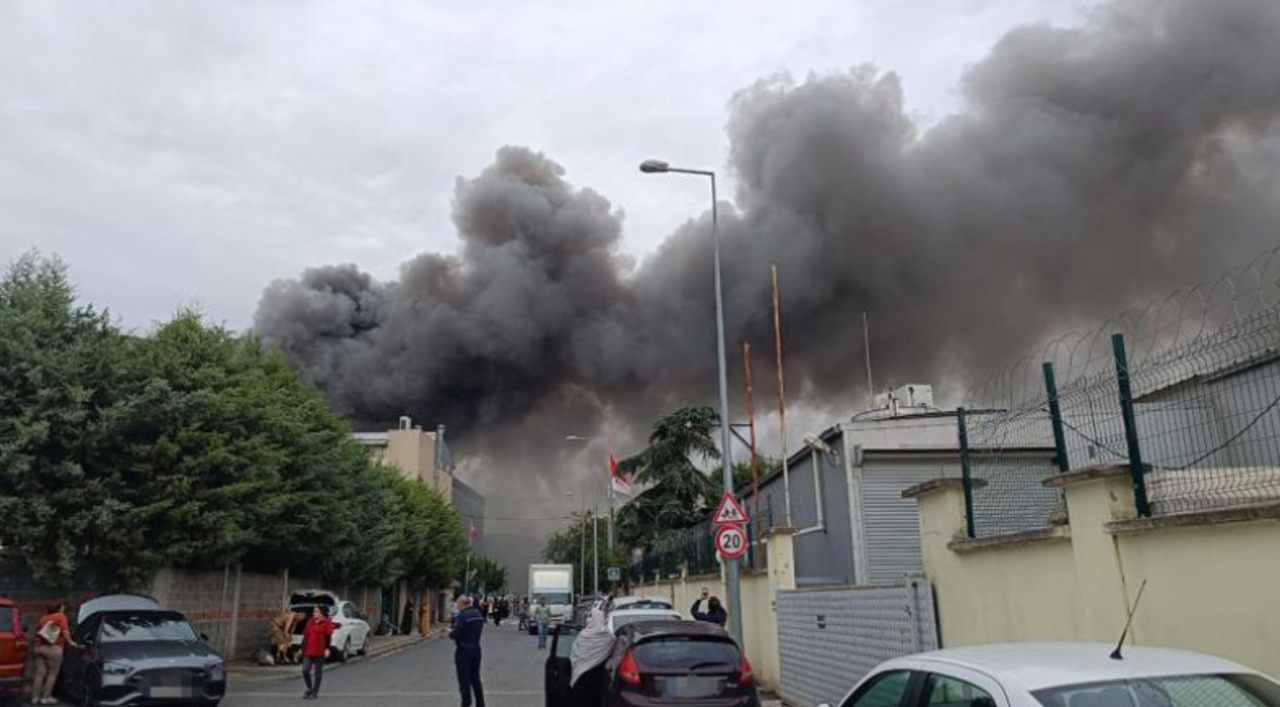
(243, 671)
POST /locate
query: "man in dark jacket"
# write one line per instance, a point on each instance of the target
(714, 614)
(466, 630)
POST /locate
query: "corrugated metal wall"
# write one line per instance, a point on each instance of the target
(829, 639)
(891, 523)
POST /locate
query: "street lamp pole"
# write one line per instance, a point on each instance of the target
(731, 566)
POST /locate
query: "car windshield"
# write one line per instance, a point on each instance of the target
(1178, 691)
(677, 653)
(119, 629)
(555, 597)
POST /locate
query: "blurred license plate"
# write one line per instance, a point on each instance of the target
(171, 691)
(690, 686)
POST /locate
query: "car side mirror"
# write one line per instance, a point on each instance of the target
(204, 637)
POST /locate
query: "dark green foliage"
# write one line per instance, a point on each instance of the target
(487, 576)
(567, 547)
(680, 492)
(192, 446)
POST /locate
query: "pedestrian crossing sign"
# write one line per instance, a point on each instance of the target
(730, 511)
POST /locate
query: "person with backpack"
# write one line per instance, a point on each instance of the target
(53, 633)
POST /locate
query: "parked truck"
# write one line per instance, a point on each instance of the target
(555, 582)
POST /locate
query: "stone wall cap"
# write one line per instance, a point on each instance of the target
(1217, 516)
(1011, 540)
(780, 530)
(1093, 472)
(936, 485)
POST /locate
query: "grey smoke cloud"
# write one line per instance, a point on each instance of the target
(1090, 167)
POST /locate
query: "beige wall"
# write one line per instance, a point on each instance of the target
(759, 592)
(1210, 587)
(414, 453)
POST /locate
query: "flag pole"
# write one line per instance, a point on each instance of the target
(782, 397)
(751, 424)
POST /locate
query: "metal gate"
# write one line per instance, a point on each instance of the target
(828, 639)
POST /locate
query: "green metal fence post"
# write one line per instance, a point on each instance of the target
(964, 472)
(1055, 413)
(1136, 469)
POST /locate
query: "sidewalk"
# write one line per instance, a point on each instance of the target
(378, 646)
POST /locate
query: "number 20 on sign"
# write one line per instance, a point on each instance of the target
(731, 541)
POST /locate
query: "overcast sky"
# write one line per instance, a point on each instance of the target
(178, 153)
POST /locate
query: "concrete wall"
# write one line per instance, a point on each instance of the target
(233, 606)
(759, 593)
(1211, 577)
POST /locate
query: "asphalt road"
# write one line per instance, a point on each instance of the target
(422, 676)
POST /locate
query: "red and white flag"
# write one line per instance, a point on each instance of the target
(618, 480)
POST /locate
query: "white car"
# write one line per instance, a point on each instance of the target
(620, 618)
(351, 629)
(1062, 675)
(620, 603)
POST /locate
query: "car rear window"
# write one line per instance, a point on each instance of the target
(1179, 691)
(687, 653)
(621, 620)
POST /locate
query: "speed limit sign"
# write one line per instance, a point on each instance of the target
(731, 541)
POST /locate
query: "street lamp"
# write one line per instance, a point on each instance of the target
(731, 566)
(582, 550)
(595, 532)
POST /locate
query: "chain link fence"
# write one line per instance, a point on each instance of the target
(1184, 392)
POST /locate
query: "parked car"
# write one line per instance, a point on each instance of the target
(351, 629)
(133, 651)
(618, 619)
(654, 662)
(559, 667)
(1062, 675)
(13, 653)
(620, 603)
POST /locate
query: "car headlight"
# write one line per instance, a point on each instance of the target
(116, 669)
(215, 672)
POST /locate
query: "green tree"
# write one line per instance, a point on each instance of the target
(487, 576)
(567, 545)
(189, 446)
(60, 373)
(680, 493)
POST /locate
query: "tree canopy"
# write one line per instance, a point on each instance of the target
(189, 446)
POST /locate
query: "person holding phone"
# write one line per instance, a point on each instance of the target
(715, 613)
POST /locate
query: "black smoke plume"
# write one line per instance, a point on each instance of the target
(1089, 168)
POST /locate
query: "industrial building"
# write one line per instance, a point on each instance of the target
(853, 527)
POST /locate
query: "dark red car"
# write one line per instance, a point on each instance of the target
(13, 653)
(662, 663)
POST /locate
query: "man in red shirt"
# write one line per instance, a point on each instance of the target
(315, 649)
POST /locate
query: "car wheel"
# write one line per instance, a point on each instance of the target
(364, 649)
(87, 700)
(345, 655)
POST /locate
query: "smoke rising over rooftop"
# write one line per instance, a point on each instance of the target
(1091, 167)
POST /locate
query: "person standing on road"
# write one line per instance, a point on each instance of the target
(715, 613)
(406, 618)
(315, 649)
(52, 634)
(542, 615)
(468, 625)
